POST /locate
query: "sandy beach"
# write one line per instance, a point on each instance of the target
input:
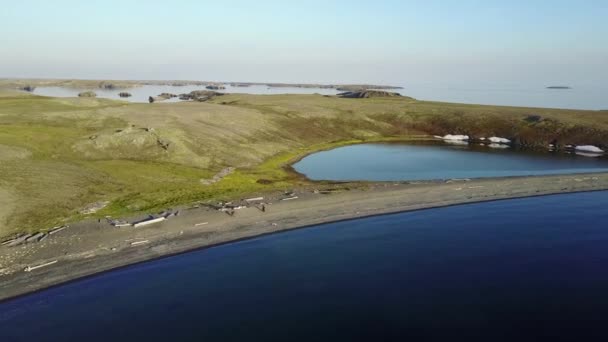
(91, 247)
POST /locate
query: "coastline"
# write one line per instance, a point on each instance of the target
(88, 248)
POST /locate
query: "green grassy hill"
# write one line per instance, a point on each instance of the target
(57, 155)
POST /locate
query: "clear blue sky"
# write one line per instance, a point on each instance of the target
(308, 41)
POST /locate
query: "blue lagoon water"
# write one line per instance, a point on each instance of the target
(530, 269)
(394, 162)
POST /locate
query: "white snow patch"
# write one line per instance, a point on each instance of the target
(455, 137)
(499, 140)
(589, 148)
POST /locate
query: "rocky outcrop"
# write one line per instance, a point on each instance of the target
(124, 94)
(167, 96)
(161, 97)
(364, 94)
(29, 88)
(199, 95)
(87, 94)
(215, 87)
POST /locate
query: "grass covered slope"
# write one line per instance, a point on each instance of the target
(58, 155)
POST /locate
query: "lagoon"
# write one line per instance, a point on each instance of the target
(414, 162)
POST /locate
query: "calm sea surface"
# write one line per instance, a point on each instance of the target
(390, 162)
(580, 96)
(524, 269)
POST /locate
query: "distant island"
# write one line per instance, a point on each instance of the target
(558, 87)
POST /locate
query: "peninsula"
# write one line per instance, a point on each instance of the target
(77, 173)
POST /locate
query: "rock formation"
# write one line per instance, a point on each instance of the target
(199, 95)
(87, 94)
(167, 96)
(367, 94)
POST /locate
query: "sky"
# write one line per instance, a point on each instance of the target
(388, 42)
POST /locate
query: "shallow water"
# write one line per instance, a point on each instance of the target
(579, 97)
(392, 162)
(506, 270)
(141, 94)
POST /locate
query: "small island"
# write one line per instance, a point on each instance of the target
(559, 87)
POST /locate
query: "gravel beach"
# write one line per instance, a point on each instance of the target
(89, 247)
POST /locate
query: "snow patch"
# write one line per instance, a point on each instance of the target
(499, 140)
(589, 148)
(455, 137)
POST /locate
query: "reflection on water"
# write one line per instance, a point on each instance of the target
(390, 162)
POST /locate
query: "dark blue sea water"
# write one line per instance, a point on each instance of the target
(525, 269)
(392, 162)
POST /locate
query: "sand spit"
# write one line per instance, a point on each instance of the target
(94, 246)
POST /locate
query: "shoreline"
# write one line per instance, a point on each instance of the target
(90, 248)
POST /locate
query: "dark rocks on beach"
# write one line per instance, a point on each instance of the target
(151, 99)
(124, 94)
(215, 87)
(29, 88)
(87, 94)
(367, 94)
